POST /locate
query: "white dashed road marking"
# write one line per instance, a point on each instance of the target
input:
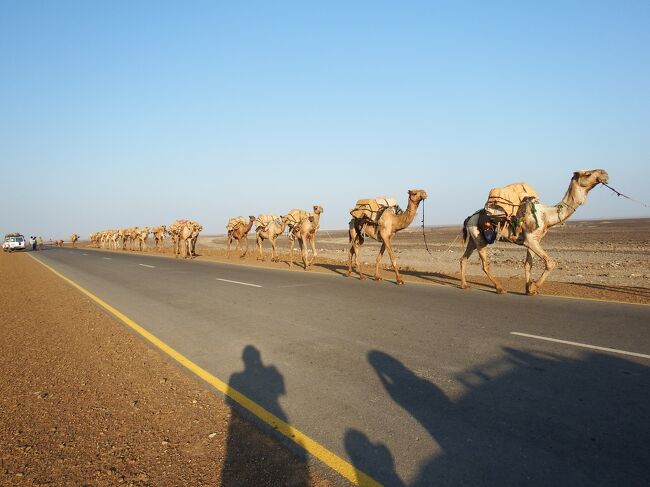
(583, 345)
(150, 266)
(237, 282)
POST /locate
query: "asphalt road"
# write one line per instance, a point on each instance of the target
(414, 385)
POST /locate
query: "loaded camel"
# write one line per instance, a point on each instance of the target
(132, 234)
(383, 229)
(158, 236)
(269, 231)
(238, 230)
(535, 220)
(141, 238)
(184, 234)
(305, 232)
(73, 238)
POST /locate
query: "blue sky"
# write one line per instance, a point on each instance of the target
(114, 114)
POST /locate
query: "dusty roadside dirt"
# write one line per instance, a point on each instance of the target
(83, 401)
(600, 259)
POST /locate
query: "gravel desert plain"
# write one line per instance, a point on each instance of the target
(73, 411)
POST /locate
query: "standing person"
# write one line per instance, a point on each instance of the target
(32, 242)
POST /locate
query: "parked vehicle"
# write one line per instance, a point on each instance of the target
(13, 241)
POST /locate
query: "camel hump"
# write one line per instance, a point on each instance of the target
(508, 199)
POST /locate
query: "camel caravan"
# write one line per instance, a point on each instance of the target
(511, 214)
(301, 226)
(183, 234)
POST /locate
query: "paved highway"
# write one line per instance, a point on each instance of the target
(413, 385)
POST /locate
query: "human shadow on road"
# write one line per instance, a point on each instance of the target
(523, 419)
(253, 457)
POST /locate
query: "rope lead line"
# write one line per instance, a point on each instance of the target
(618, 193)
(424, 235)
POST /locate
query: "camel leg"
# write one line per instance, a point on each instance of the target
(482, 252)
(237, 246)
(528, 265)
(533, 287)
(293, 240)
(380, 255)
(471, 247)
(351, 237)
(393, 259)
(303, 253)
(274, 249)
(313, 251)
(355, 250)
(229, 240)
(350, 254)
(245, 237)
(260, 252)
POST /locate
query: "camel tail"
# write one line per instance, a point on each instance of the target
(465, 228)
(357, 232)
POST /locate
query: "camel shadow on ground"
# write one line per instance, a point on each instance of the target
(434, 277)
(639, 291)
(522, 419)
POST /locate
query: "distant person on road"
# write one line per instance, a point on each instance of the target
(32, 242)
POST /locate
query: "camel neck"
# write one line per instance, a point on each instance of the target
(573, 198)
(406, 218)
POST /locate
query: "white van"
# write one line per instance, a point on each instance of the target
(13, 241)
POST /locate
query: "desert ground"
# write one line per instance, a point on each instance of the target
(598, 259)
(85, 402)
(75, 411)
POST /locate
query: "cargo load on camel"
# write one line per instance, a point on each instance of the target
(508, 199)
(235, 222)
(499, 217)
(371, 209)
(262, 221)
(296, 216)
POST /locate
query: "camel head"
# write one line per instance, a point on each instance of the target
(417, 195)
(318, 209)
(589, 179)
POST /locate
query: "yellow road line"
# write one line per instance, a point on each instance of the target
(332, 460)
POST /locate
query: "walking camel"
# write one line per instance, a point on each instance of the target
(158, 236)
(536, 219)
(141, 238)
(239, 232)
(383, 230)
(184, 234)
(271, 231)
(73, 238)
(305, 232)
